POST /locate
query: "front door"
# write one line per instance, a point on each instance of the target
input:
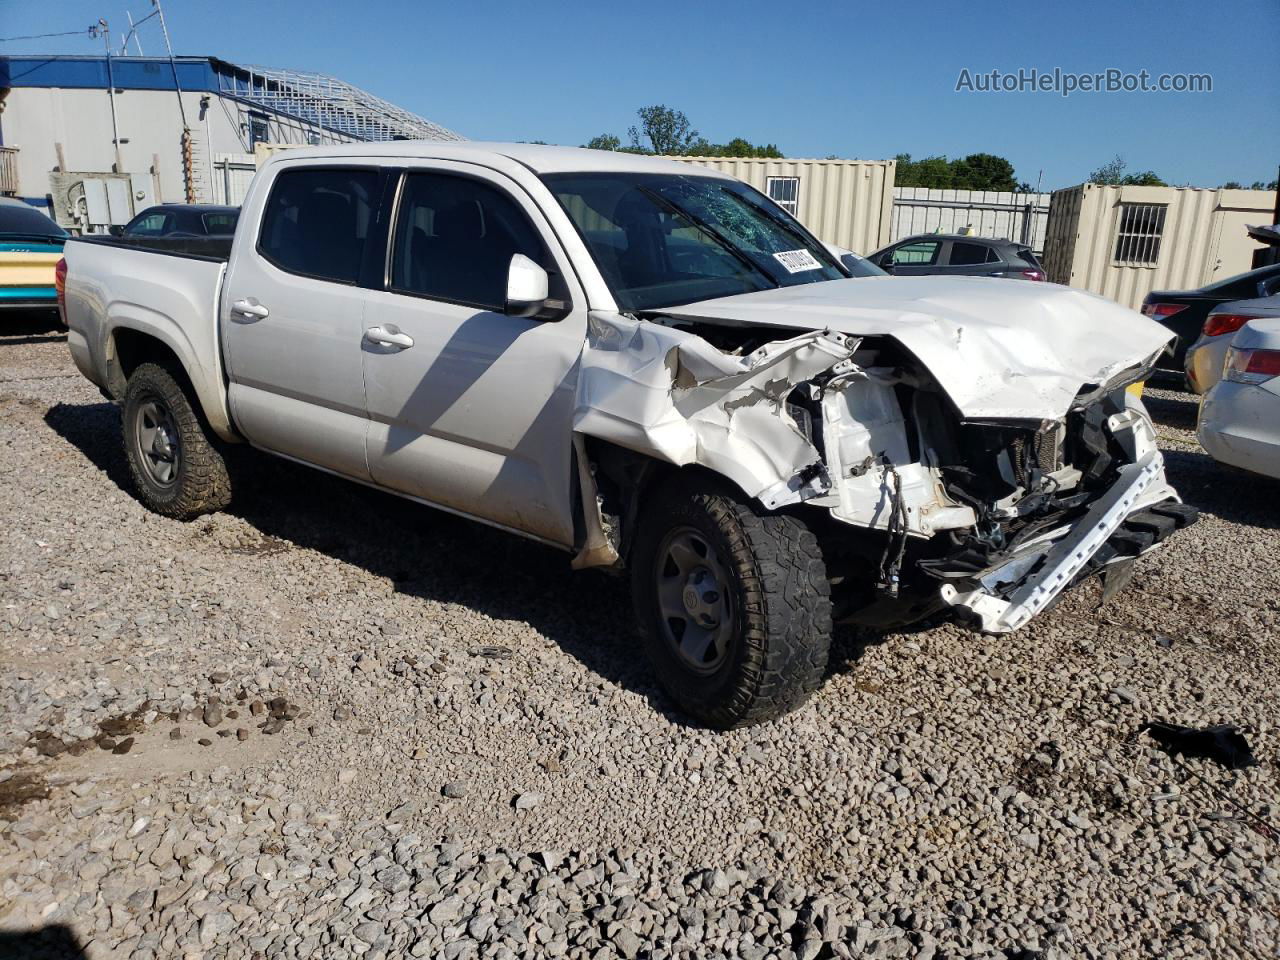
(469, 408)
(292, 316)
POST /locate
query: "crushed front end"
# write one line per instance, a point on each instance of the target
(921, 509)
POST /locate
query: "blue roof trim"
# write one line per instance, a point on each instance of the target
(128, 73)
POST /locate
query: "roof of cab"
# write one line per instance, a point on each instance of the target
(540, 158)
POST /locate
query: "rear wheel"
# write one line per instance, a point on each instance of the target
(734, 605)
(177, 471)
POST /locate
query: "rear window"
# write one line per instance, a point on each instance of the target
(317, 222)
(969, 254)
(1243, 286)
(1027, 257)
(27, 221)
(220, 223)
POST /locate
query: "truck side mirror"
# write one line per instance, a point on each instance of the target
(527, 287)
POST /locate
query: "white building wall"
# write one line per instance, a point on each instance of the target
(36, 119)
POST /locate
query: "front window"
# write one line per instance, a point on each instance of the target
(454, 240)
(920, 253)
(665, 239)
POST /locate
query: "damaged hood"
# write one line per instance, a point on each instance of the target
(1001, 349)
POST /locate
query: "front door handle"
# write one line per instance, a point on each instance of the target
(389, 336)
(250, 308)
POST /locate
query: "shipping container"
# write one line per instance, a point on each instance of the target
(1124, 242)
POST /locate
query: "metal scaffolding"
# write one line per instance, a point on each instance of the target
(328, 102)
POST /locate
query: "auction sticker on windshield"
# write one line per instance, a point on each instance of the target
(797, 261)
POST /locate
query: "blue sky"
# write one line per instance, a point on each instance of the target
(865, 80)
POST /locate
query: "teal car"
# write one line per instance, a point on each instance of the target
(30, 248)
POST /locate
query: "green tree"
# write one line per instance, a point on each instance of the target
(667, 131)
(984, 171)
(977, 171)
(737, 147)
(1259, 185)
(663, 130)
(1112, 174)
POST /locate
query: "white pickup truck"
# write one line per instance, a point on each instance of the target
(650, 365)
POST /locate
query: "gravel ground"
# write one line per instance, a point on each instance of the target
(330, 724)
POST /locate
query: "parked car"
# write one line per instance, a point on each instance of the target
(30, 249)
(183, 220)
(656, 369)
(958, 256)
(1206, 356)
(1239, 422)
(1184, 312)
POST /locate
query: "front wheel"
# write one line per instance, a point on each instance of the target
(176, 469)
(734, 605)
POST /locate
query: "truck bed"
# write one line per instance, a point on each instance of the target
(195, 248)
(167, 288)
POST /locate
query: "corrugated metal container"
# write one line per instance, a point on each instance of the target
(1004, 215)
(845, 202)
(1124, 242)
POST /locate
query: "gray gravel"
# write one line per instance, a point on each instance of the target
(398, 733)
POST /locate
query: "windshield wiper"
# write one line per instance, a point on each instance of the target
(710, 231)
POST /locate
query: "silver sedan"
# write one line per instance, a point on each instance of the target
(1239, 420)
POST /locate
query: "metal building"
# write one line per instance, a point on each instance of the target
(1124, 242)
(845, 202)
(96, 138)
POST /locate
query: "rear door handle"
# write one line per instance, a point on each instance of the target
(250, 308)
(389, 337)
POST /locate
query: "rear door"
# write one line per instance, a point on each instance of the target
(472, 409)
(293, 308)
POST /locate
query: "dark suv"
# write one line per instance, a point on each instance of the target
(958, 256)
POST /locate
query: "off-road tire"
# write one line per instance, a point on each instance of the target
(202, 484)
(781, 595)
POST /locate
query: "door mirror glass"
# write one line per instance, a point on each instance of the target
(527, 287)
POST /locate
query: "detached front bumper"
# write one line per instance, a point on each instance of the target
(1126, 521)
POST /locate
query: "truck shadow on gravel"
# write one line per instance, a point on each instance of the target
(436, 556)
(424, 553)
(55, 942)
